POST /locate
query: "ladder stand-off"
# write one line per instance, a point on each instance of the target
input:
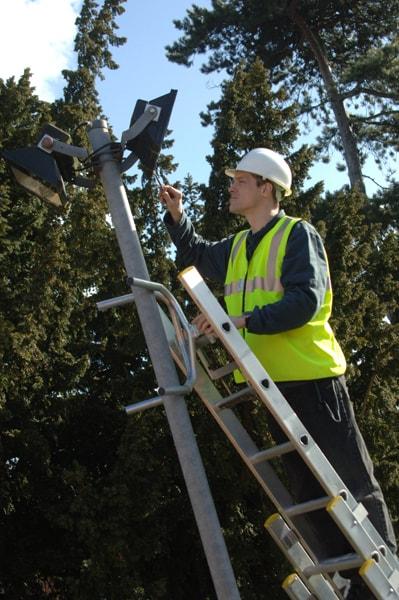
(378, 567)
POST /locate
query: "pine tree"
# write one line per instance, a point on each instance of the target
(67, 372)
(327, 54)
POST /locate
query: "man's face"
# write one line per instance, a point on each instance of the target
(245, 194)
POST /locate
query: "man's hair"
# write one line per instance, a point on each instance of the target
(276, 190)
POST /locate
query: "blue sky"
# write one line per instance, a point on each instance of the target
(144, 71)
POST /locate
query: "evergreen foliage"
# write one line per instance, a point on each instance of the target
(338, 60)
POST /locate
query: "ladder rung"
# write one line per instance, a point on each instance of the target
(272, 452)
(331, 565)
(236, 398)
(204, 340)
(305, 507)
(222, 371)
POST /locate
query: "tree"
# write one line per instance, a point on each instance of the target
(319, 50)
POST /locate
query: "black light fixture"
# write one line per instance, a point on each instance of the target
(40, 171)
(147, 145)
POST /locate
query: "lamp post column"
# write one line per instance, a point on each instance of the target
(165, 371)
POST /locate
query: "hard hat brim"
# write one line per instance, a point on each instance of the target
(231, 173)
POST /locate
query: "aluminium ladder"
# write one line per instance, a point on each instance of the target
(378, 566)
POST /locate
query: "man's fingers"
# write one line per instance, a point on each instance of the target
(163, 196)
(199, 320)
(170, 193)
(203, 325)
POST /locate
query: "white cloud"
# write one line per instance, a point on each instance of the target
(38, 34)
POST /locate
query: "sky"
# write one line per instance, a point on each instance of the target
(39, 34)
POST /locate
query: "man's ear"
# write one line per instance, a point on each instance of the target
(267, 188)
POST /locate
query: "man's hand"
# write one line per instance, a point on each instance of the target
(172, 199)
(205, 327)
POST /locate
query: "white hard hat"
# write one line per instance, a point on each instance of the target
(268, 164)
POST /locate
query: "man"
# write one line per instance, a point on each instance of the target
(278, 293)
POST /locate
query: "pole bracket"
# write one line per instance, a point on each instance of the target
(185, 336)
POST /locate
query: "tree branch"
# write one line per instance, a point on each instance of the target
(359, 89)
(371, 117)
(376, 182)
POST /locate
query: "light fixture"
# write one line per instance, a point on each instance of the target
(39, 170)
(147, 145)
(38, 173)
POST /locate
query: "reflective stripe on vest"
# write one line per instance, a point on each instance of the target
(270, 281)
(307, 352)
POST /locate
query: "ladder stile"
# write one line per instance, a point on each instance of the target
(377, 582)
(296, 589)
(291, 546)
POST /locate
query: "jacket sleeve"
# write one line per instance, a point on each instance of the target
(304, 280)
(210, 258)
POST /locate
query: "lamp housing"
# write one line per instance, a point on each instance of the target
(147, 145)
(37, 172)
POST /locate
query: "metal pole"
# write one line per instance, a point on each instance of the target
(165, 371)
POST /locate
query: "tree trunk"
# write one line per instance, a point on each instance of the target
(348, 141)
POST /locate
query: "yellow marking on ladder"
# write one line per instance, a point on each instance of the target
(368, 564)
(331, 505)
(289, 580)
(271, 519)
(181, 273)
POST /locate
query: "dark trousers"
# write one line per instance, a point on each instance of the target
(326, 411)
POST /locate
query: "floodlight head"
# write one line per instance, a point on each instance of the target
(37, 172)
(147, 145)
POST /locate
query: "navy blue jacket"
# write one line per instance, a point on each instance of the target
(304, 270)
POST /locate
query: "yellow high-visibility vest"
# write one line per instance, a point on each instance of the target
(304, 353)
